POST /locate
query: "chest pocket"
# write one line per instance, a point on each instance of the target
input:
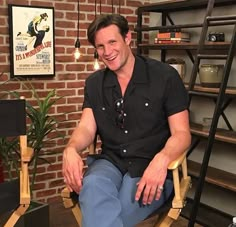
(145, 112)
(104, 116)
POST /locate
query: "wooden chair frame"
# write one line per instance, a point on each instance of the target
(26, 155)
(182, 183)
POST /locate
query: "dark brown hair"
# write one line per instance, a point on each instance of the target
(43, 15)
(106, 20)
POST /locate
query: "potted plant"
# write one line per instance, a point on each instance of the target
(41, 127)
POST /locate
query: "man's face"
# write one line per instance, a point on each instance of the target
(112, 48)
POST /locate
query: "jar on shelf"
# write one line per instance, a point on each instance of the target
(210, 75)
(179, 65)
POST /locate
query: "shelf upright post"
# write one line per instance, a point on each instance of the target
(220, 99)
(163, 23)
(139, 32)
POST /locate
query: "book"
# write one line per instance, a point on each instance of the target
(174, 39)
(187, 39)
(173, 35)
(163, 30)
(157, 41)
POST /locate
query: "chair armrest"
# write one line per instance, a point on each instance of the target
(177, 162)
(69, 198)
(181, 184)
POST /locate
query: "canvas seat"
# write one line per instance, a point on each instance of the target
(15, 195)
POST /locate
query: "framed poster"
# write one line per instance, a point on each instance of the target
(31, 32)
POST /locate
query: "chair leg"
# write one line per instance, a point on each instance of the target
(77, 213)
(70, 203)
(16, 215)
(164, 220)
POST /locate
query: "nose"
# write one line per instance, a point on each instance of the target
(107, 50)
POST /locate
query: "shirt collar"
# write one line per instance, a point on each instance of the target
(139, 76)
(140, 73)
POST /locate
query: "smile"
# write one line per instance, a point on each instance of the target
(111, 58)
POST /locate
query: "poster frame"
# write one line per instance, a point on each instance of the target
(32, 41)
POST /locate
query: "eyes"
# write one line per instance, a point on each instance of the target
(100, 47)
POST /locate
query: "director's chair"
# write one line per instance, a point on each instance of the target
(167, 214)
(13, 124)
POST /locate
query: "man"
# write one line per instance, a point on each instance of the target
(138, 106)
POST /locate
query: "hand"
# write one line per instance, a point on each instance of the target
(72, 169)
(151, 184)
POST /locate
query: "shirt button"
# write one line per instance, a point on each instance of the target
(124, 150)
(103, 108)
(125, 114)
(146, 104)
(130, 163)
(126, 131)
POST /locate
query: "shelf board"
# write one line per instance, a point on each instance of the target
(154, 28)
(214, 176)
(186, 46)
(222, 135)
(207, 216)
(181, 5)
(198, 87)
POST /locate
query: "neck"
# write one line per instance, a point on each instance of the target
(124, 75)
(127, 70)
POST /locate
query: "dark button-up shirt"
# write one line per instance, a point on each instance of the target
(154, 93)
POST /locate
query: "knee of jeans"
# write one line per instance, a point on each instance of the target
(89, 184)
(93, 181)
(90, 180)
(93, 184)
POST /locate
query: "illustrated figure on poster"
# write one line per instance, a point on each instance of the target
(40, 35)
(36, 31)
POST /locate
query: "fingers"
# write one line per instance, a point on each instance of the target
(159, 192)
(73, 172)
(74, 183)
(151, 193)
(139, 191)
(147, 193)
(68, 187)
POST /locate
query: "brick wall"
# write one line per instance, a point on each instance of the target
(70, 74)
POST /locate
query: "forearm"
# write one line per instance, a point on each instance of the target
(81, 138)
(84, 133)
(174, 147)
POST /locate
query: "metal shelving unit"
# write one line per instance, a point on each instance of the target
(222, 96)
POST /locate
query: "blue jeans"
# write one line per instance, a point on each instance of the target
(107, 198)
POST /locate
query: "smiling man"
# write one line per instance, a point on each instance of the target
(138, 107)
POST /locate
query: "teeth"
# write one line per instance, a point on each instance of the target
(110, 59)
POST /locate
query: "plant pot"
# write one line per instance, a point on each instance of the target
(9, 195)
(211, 75)
(37, 214)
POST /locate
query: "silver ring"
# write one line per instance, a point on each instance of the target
(160, 188)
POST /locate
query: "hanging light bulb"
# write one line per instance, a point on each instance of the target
(96, 64)
(77, 52)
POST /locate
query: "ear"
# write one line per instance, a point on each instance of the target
(128, 38)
